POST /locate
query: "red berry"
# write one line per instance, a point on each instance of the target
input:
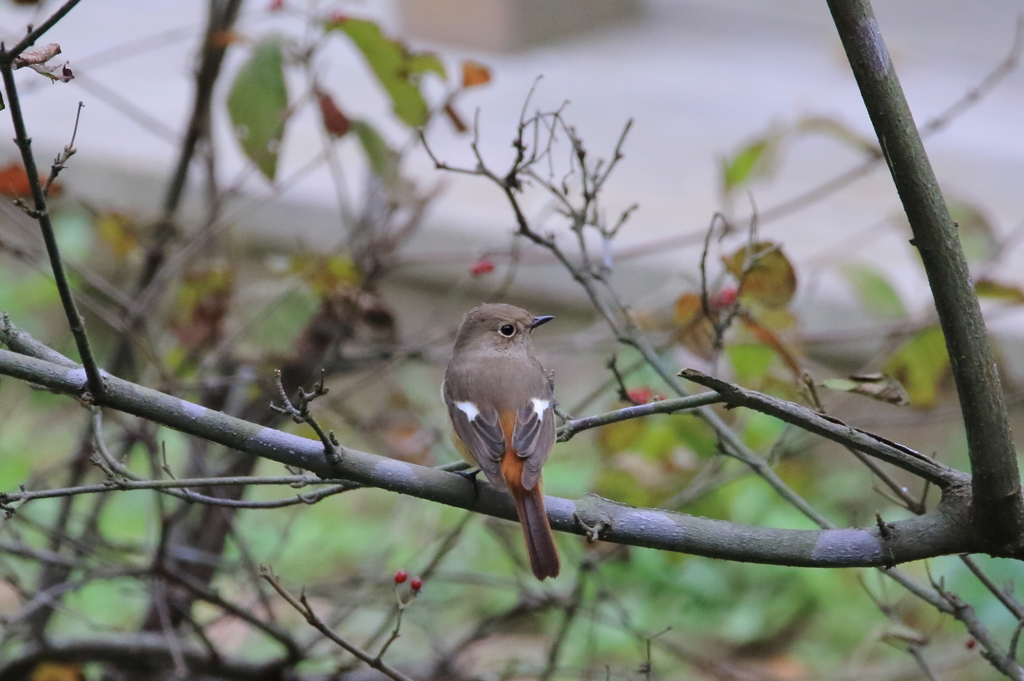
(482, 266)
(971, 643)
(725, 297)
(401, 576)
(640, 395)
(416, 584)
(276, 6)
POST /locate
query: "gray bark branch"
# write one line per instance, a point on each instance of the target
(943, 531)
(998, 505)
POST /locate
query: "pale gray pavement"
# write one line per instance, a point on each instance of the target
(699, 78)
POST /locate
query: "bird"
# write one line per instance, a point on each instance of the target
(501, 407)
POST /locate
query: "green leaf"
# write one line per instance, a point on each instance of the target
(397, 69)
(875, 293)
(750, 361)
(988, 288)
(876, 386)
(425, 62)
(762, 431)
(754, 161)
(258, 105)
(920, 365)
(741, 168)
(383, 159)
(694, 433)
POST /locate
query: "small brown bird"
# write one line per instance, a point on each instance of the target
(502, 412)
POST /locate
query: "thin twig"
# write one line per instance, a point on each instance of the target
(301, 604)
(67, 153)
(301, 414)
(41, 214)
(671, 406)
(125, 484)
(833, 429)
(1011, 603)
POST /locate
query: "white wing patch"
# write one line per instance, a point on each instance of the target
(470, 410)
(540, 406)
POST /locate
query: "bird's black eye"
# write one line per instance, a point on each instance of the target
(507, 330)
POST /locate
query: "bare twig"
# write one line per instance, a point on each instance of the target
(62, 158)
(301, 414)
(301, 604)
(40, 213)
(672, 406)
(1011, 603)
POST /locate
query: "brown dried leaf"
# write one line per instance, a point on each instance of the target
(474, 73)
(693, 329)
(14, 182)
(61, 72)
(336, 123)
(40, 55)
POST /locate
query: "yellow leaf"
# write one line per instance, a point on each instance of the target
(118, 232)
(57, 671)
(988, 288)
(920, 365)
(765, 275)
(326, 274)
(616, 437)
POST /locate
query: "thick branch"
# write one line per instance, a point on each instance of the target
(999, 508)
(944, 531)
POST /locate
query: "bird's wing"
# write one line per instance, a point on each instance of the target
(480, 432)
(534, 435)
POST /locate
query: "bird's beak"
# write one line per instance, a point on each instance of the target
(543, 319)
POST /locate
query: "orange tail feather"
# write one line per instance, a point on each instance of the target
(540, 545)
